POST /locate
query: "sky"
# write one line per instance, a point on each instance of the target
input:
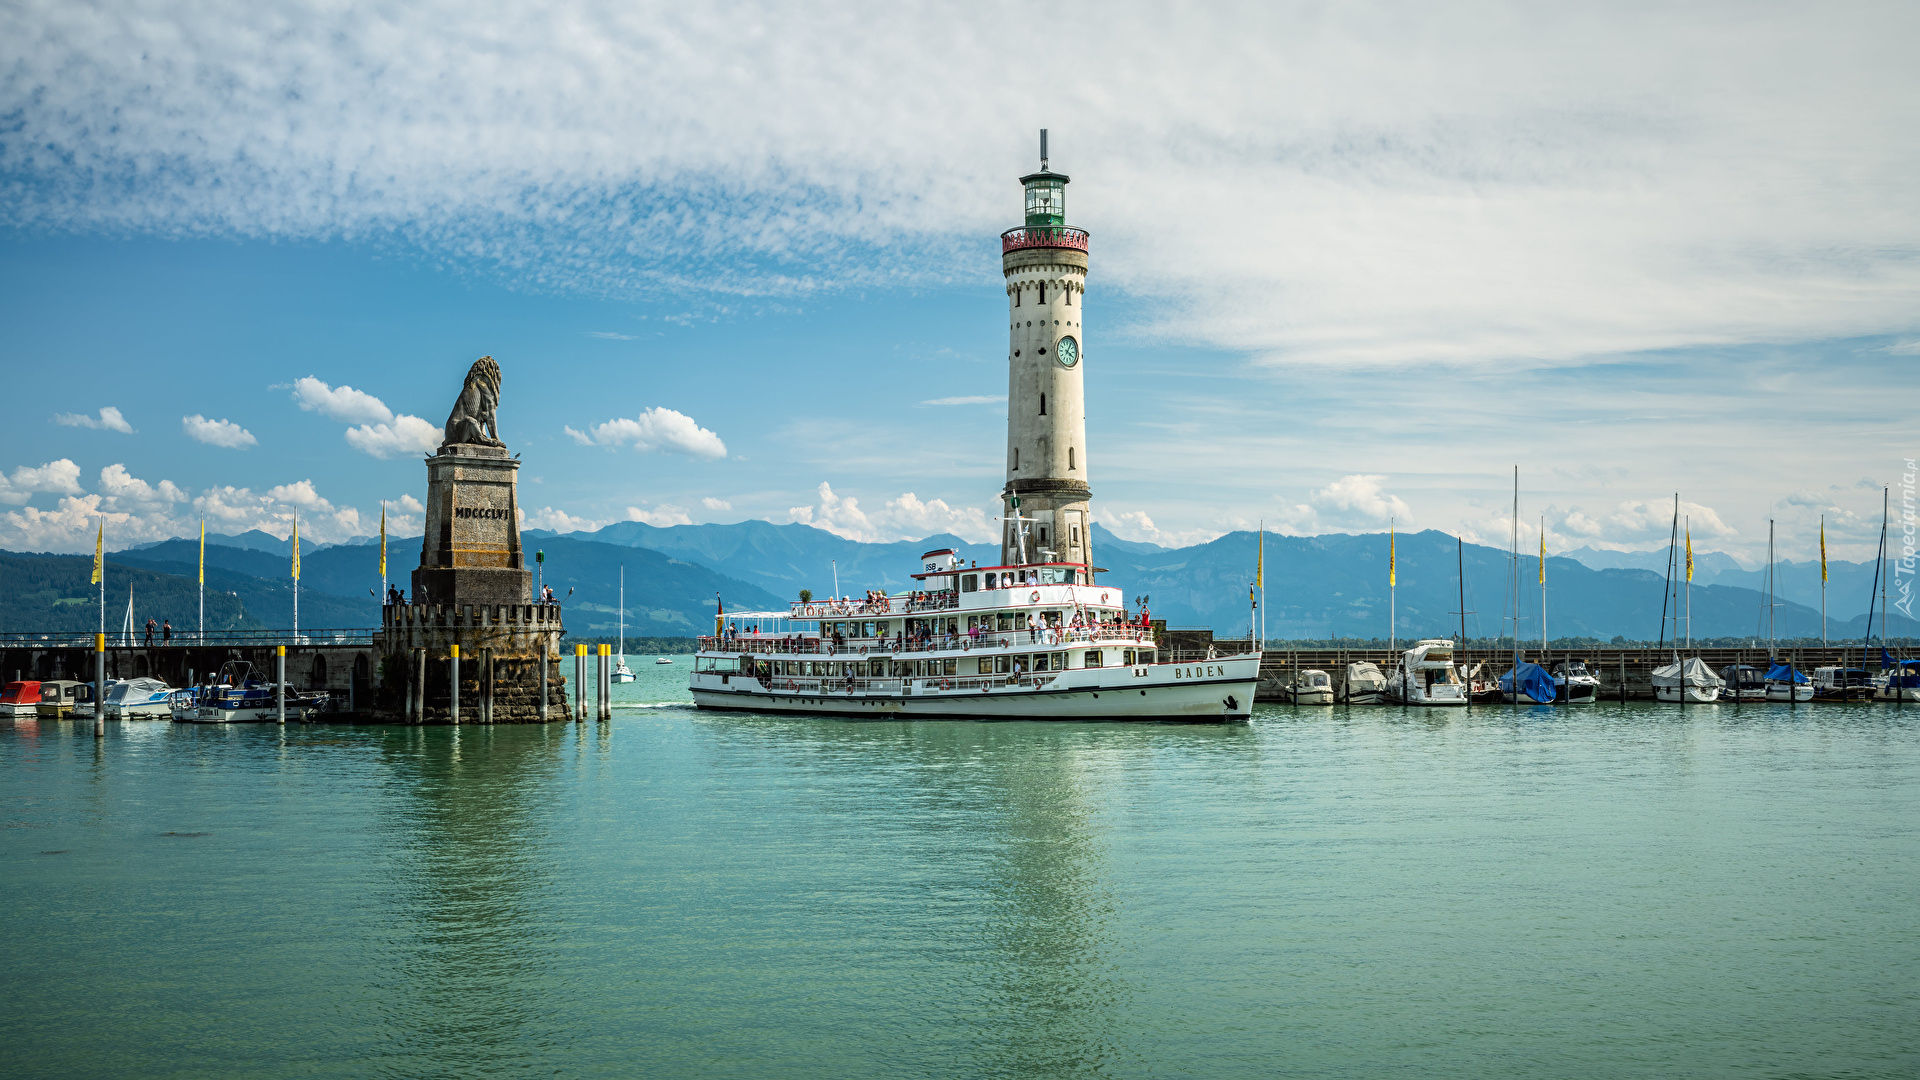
(1350, 264)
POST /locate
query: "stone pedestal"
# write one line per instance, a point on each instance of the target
(471, 553)
(500, 650)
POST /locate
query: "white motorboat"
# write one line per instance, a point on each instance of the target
(1576, 685)
(662, 660)
(1842, 684)
(139, 699)
(1688, 681)
(1310, 687)
(1426, 676)
(1743, 682)
(1365, 685)
(1900, 680)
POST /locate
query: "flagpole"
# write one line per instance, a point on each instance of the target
(100, 571)
(1689, 525)
(1393, 579)
(1823, 581)
(1543, 585)
(203, 581)
(383, 552)
(296, 576)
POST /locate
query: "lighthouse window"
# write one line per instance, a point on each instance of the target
(1043, 294)
(1069, 457)
(1074, 532)
(1043, 404)
(1016, 457)
(1016, 296)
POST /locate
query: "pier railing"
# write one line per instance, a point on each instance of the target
(191, 639)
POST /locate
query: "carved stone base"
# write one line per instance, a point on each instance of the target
(471, 552)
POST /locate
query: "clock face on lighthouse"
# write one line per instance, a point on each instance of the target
(1067, 352)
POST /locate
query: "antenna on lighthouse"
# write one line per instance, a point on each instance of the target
(1043, 149)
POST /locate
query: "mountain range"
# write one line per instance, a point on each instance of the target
(1316, 587)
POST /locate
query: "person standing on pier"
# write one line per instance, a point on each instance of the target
(166, 631)
(150, 629)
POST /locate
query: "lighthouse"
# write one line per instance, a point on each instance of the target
(1047, 492)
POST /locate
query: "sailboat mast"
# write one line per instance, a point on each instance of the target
(1884, 503)
(1689, 583)
(1543, 585)
(1823, 581)
(1874, 594)
(1513, 577)
(1771, 636)
(623, 612)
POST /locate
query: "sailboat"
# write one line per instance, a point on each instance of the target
(1784, 681)
(1687, 680)
(620, 671)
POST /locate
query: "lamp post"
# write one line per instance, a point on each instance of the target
(540, 566)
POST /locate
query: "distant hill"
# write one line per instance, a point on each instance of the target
(55, 593)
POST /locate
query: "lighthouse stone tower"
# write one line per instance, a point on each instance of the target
(1046, 497)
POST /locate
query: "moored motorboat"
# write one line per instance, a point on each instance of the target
(662, 660)
(1900, 682)
(1574, 684)
(1744, 682)
(139, 699)
(1310, 687)
(1364, 684)
(20, 699)
(1426, 676)
(1838, 684)
(234, 696)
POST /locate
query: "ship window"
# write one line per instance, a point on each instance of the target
(1126, 658)
(970, 583)
(1043, 404)
(1069, 457)
(1040, 662)
(1093, 657)
(986, 665)
(1000, 665)
(953, 667)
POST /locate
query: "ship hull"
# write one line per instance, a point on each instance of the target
(1217, 691)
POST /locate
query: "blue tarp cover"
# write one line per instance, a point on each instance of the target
(1785, 673)
(1534, 682)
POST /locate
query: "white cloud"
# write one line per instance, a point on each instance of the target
(972, 399)
(122, 486)
(379, 432)
(342, 403)
(609, 335)
(412, 505)
(656, 429)
(558, 521)
(712, 503)
(1606, 179)
(217, 432)
(905, 517)
(406, 434)
(108, 420)
(663, 515)
(137, 511)
(54, 477)
(1136, 526)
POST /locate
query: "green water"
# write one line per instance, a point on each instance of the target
(1612, 891)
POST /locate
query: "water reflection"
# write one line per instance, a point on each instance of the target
(1003, 837)
(468, 982)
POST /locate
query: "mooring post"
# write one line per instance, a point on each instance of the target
(280, 683)
(453, 684)
(541, 710)
(580, 684)
(486, 686)
(603, 685)
(99, 686)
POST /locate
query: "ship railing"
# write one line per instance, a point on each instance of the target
(860, 609)
(770, 645)
(814, 684)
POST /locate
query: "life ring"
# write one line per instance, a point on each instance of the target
(946, 684)
(1034, 597)
(789, 684)
(1103, 598)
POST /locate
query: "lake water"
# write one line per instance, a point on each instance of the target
(1609, 891)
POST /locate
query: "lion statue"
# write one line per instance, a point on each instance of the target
(471, 420)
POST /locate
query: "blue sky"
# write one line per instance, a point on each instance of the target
(1348, 264)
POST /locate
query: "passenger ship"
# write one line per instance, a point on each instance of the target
(1033, 638)
(1029, 642)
